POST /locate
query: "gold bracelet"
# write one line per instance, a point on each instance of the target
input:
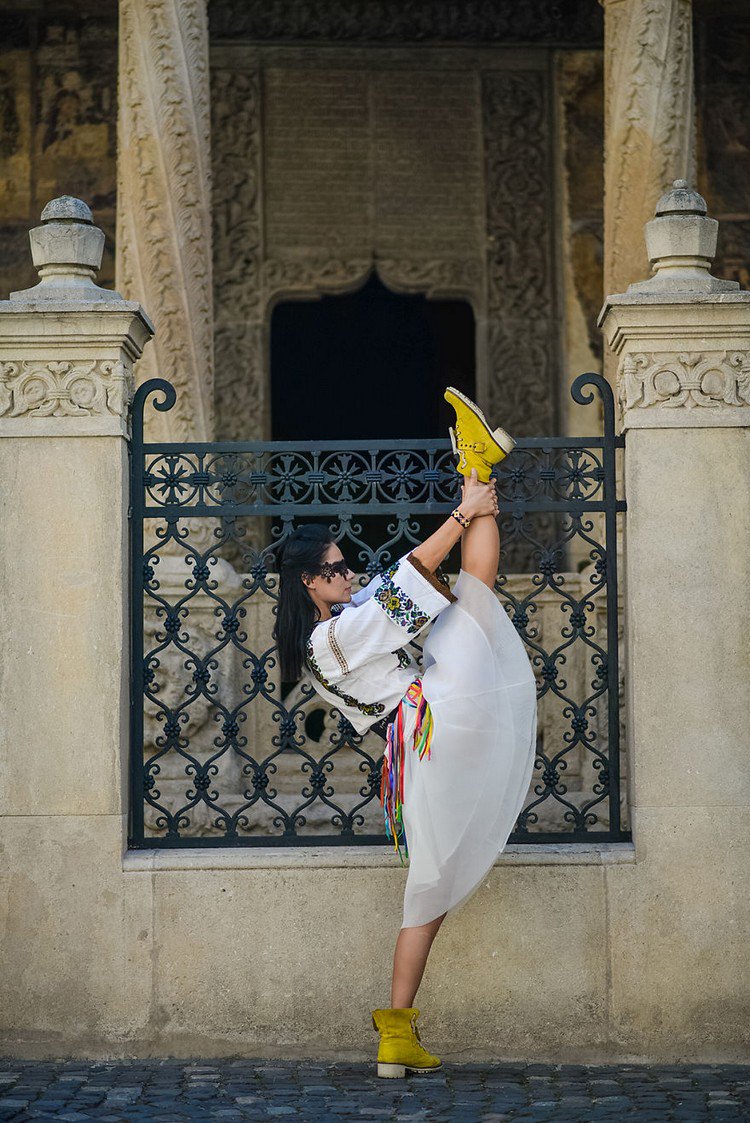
(461, 519)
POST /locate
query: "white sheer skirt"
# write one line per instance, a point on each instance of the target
(461, 804)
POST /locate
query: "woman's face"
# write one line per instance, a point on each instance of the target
(334, 584)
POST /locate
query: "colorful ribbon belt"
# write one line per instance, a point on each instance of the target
(392, 783)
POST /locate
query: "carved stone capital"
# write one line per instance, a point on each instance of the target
(64, 398)
(689, 388)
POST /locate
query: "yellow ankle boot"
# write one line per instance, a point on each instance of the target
(400, 1046)
(475, 444)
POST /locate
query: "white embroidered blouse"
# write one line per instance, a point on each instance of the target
(356, 659)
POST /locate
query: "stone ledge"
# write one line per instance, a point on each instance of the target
(680, 418)
(65, 426)
(361, 857)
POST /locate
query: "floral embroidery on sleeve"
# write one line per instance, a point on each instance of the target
(399, 607)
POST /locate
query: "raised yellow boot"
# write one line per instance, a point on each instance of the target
(475, 444)
(401, 1050)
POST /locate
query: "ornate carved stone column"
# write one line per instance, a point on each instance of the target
(164, 200)
(682, 344)
(649, 122)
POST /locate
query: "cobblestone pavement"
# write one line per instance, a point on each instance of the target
(171, 1091)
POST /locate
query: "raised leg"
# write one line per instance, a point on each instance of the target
(409, 959)
(480, 549)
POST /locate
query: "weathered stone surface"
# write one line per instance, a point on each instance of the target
(580, 83)
(75, 90)
(58, 76)
(76, 930)
(67, 251)
(302, 939)
(690, 695)
(722, 44)
(63, 625)
(522, 954)
(522, 336)
(679, 919)
(649, 123)
(164, 207)
(681, 244)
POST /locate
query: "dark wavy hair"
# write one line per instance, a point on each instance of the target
(296, 617)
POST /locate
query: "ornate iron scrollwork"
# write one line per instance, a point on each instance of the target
(223, 753)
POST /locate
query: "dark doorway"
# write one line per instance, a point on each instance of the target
(368, 365)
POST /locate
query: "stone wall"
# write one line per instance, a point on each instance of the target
(58, 112)
(722, 51)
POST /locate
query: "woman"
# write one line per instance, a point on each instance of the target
(462, 731)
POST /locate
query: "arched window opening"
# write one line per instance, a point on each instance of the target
(368, 365)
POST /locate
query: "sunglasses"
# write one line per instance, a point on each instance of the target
(329, 570)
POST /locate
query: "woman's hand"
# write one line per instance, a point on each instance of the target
(478, 498)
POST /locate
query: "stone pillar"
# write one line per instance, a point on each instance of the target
(681, 341)
(164, 201)
(67, 349)
(649, 122)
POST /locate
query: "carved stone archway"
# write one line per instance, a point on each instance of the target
(507, 272)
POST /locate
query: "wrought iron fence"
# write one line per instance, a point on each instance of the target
(223, 753)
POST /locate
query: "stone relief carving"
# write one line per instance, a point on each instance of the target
(649, 95)
(80, 388)
(287, 275)
(164, 202)
(689, 380)
(240, 392)
(323, 274)
(434, 278)
(406, 20)
(522, 337)
(236, 124)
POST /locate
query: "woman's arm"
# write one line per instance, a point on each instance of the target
(477, 499)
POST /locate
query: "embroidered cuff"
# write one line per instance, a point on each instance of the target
(440, 586)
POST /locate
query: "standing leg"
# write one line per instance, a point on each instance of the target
(409, 959)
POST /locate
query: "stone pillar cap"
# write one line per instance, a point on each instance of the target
(66, 207)
(681, 244)
(680, 199)
(67, 252)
